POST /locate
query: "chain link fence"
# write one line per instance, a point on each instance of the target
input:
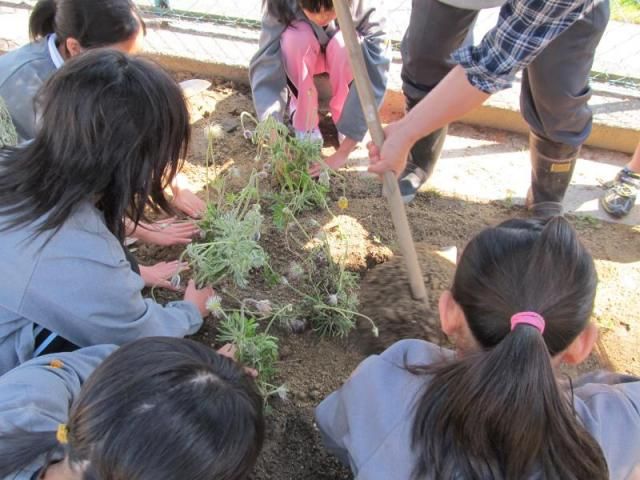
(227, 32)
(235, 25)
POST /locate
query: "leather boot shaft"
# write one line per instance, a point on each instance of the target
(552, 166)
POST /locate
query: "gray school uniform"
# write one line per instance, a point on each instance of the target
(36, 396)
(367, 422)
(22, 73)
(269, 80)
(552, 42)
(77, 283)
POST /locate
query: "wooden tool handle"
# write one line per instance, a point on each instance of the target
(370, 109)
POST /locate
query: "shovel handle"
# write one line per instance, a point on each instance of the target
(370, 109)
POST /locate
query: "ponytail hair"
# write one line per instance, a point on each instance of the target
(156, 409)
(498, 412)
(93, 23)
(285, 10)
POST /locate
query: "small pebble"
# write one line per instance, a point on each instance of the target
(298, 326)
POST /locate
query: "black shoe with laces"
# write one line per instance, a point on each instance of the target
(620, 196)
(410, 182)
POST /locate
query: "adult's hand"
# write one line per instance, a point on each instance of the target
(198, 297)
(453, 97)
(166, 232)
(159, 275)
(394, 152)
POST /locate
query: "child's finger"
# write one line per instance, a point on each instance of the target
(167, 284)
(228, 350)
(315, 169)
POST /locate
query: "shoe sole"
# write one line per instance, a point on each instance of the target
(408, 198)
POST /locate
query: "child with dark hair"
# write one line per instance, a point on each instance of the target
(113, 131)
(157, 408)
(520, 305)
(299, 39)
(61, 30)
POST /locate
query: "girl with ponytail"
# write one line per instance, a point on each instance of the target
(156, 409)
(520, 305)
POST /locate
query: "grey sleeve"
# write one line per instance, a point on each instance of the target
(266, 72)
(36, 395)
(334, 419)
(371, 411)
(611, 413)
(19, 95)
(90, 296)
(370, 25)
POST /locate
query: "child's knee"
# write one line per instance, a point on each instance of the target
(298, 39)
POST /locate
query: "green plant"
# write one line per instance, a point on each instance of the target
(231, 232)
(329, 292)
(255, 349)
(585, 222)
(288, 159)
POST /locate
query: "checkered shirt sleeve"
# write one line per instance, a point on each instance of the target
(524, 29)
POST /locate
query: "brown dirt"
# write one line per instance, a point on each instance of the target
(311, 367)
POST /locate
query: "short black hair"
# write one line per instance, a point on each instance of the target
(158, 408)
(285, 10)
(93, 23)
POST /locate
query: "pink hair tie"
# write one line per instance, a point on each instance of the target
(528, 318)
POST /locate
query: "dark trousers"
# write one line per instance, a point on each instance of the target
(555, 85)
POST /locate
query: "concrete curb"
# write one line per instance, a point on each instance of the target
(208, 50)
(497, 112)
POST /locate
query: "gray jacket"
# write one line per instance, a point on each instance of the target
(269, 80)
(367, 423)
(36, 397)
(77, 283)
(22, 73)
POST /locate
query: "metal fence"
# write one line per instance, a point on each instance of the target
(227, 31)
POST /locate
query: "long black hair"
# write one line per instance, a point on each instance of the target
(112, 132)
(157, 409)
(93, 23)
(499, 413)
(285, 10)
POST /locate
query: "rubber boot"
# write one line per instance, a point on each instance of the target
(422, 160)
(552, 165)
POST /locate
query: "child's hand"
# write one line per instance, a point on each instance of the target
(334, 162)
(189, 203)
(229, 350)
(184, 199)
(159, 275)
(337, 160)
(198, 297)
(167, 232)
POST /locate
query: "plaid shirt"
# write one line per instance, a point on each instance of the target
(524, 29)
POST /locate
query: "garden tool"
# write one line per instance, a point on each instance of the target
(391, 189)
